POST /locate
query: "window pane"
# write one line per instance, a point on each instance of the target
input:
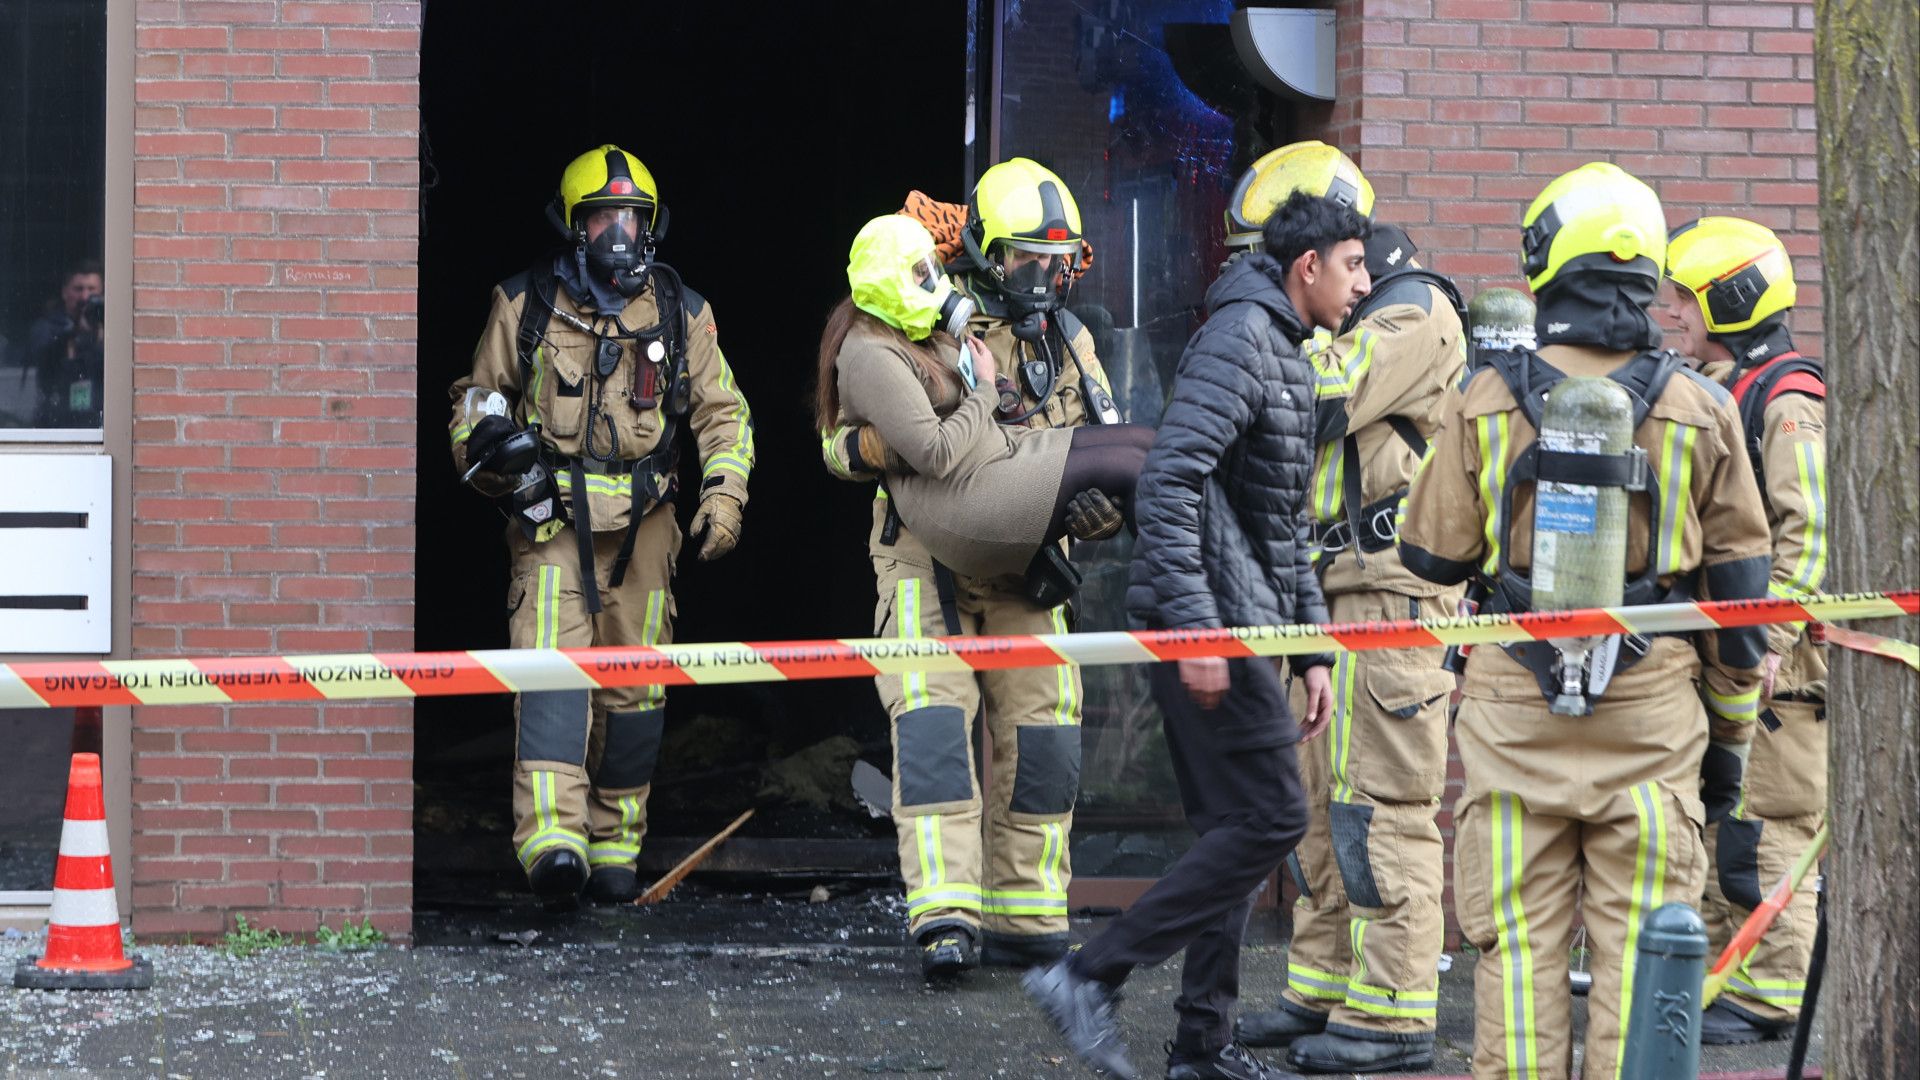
(1100, 94)
(34, 778)
(53, 71)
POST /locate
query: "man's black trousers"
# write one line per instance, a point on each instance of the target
(1240, 788)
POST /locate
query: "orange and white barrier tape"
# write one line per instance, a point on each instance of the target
(1860, 641)
(361, 676)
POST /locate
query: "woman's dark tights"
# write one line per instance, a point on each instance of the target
(1108, 457)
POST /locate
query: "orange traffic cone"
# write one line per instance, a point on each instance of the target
(83, 933)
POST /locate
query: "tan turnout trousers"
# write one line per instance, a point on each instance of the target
(1368, 927)
(997, 862)
(583, 760)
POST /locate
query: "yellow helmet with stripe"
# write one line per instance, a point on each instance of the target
(1311, 166)
(1597, 217)
(1023, 204)
(1737, 270)
(608, 176)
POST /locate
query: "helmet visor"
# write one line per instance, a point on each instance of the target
(597, 220)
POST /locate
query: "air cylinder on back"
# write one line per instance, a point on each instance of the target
(1580, 530)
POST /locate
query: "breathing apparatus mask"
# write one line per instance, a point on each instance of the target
(617, 248)
(1032, 284)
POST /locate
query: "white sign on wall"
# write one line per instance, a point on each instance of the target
(56, 553)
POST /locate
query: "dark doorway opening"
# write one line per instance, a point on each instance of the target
(774, 131)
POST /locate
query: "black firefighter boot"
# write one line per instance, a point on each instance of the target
(1350, 1052)
(1021, 950)
(557, 877)
(613, 885)
(946, 951)
(1279, 1026)
(1724, 1024)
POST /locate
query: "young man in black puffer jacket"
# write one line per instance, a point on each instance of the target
(1223, 541)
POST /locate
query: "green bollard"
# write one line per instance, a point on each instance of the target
(1663, 1031)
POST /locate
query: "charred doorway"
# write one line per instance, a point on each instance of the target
(774, 132)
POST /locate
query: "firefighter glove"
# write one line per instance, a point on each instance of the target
(1093, 516)
(1722, 773)
(717, 525)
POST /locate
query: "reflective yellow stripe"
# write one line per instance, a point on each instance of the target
(932, 867)
(1649, 892)
(1329, 473)
(1053, 851)
(1381, 1001)
(1067, 706)
(1676, 486)
(830, 449)
(654, 697)
(539, 379)
(1400, 510)
(1510, 922)
(1780, 993)
(1314, 983)
(1741, 708)
(547, 832)
(1024, 902)
(956, 897)
(1356, 943)
(906, 612)
(598, 483)
(1340, 744)
(460, 433)
(1493, 430)
(738, 455)
(1810, 569)
(546, 607)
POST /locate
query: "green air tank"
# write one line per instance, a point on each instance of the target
(1580, 530)
(1500, 319)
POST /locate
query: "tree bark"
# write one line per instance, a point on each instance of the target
(1868, 112)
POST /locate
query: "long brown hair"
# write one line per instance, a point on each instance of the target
(841, 321)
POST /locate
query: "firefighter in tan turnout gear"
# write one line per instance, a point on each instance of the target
(987, 877)
(1362, 963)
(591, 365)
(1734, 289)
(1586, 760)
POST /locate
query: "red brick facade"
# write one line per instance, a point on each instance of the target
(276, 193)
(1460, 111)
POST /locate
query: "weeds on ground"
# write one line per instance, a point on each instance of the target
(350, 937)
(246, 940)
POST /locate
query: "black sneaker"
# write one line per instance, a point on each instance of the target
(946, 952)
(1727, 1024)
(1278, 1027)
(1021, 951)
(1340, 1053)
(1081, 1010)
(613, 885)
(1230, 1062)
(558, 876)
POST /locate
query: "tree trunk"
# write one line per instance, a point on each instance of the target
(1869, 123)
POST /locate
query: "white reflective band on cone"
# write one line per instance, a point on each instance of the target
(84, 907)
(83, 839)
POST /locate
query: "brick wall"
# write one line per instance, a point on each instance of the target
(276, 192)
(1460, 111)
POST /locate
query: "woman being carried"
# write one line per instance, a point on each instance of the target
(982, 496)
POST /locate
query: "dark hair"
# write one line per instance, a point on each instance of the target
(842, 321)
(84, 266)
(1310, 223)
